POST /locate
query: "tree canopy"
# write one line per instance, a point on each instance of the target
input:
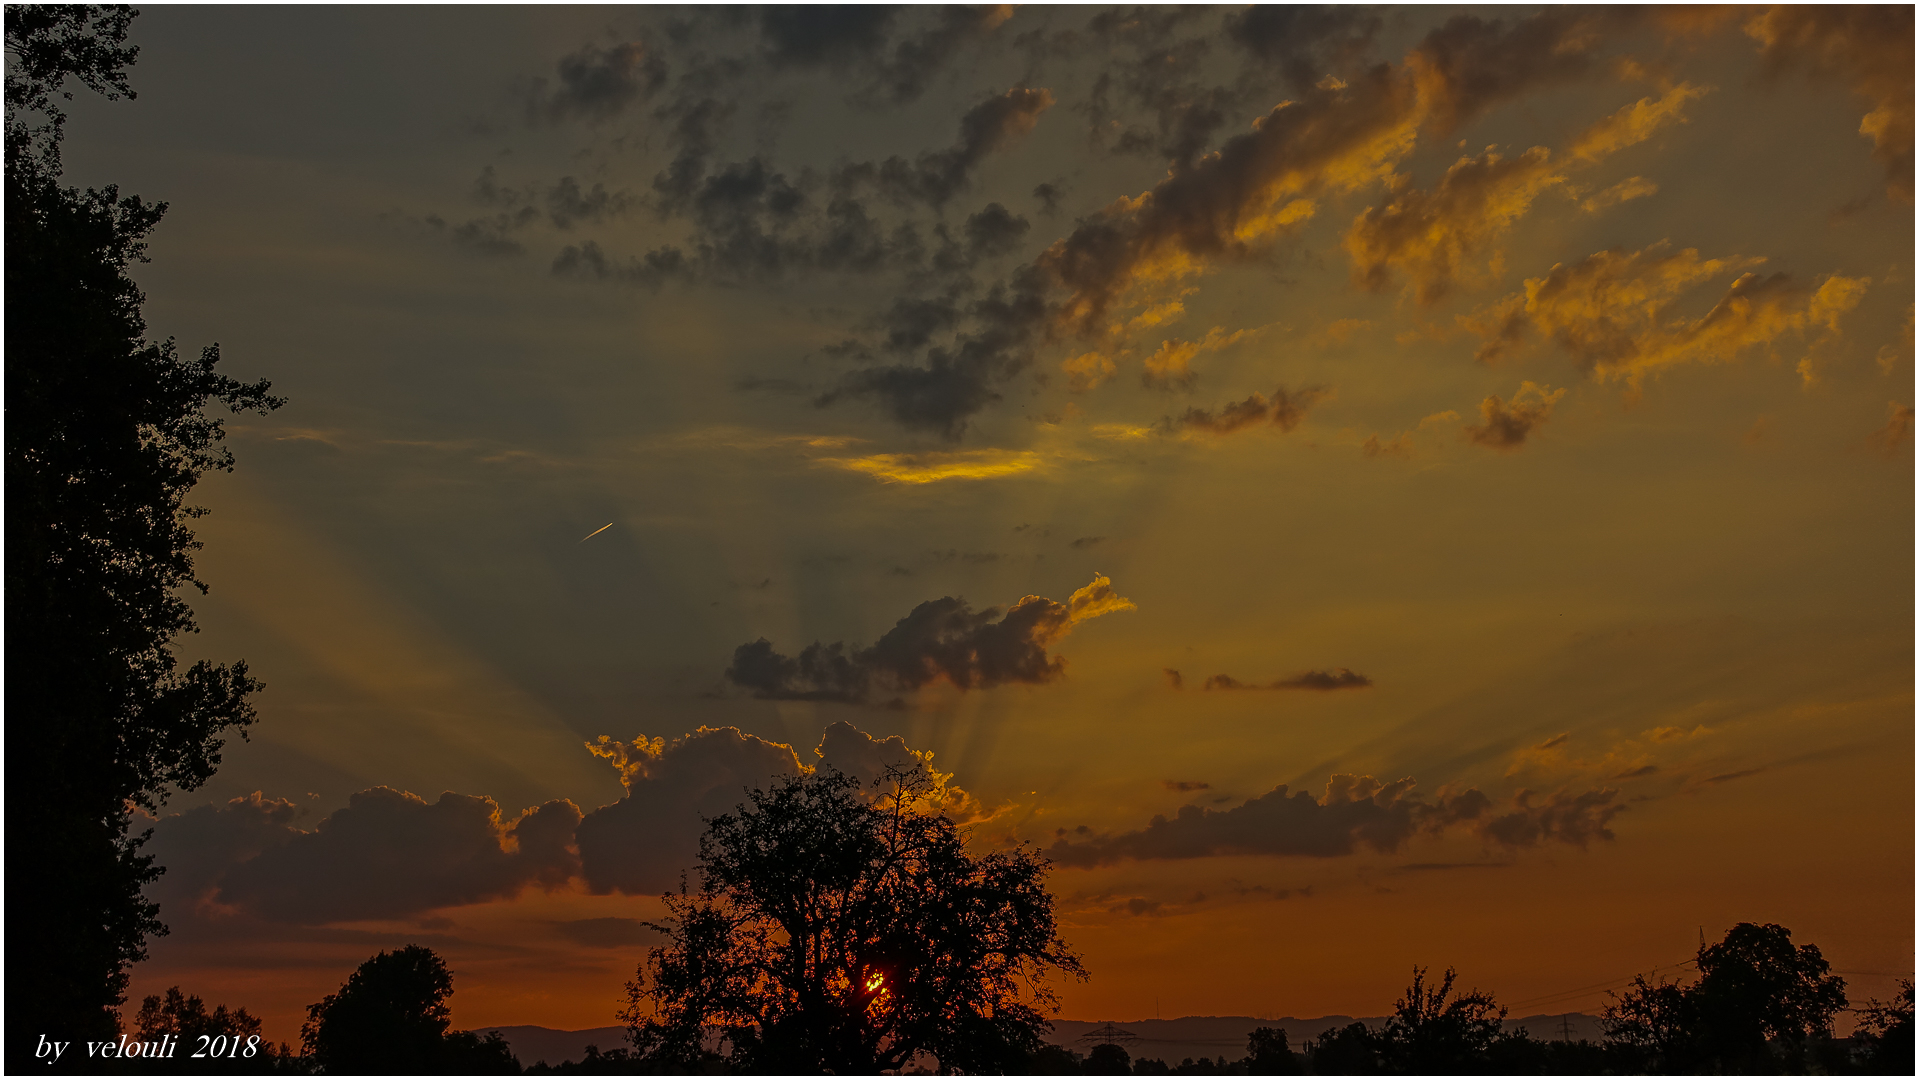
(106, 434)
(847, 929)
(391, 1016)
(1758, 1002)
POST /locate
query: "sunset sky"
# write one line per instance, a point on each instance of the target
(1457, 464)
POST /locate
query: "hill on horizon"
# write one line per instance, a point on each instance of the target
(1169, 1040)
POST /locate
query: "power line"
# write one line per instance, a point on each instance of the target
(1609, 984)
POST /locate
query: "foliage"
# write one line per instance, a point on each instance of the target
(1267, 1053)
(1885, 1031)
(1108, 1059)
(846, 930)
(105, 436)
(187, 1020)
(391, 1016)
(1428, 1033)
(1758, 1005)
(1352, 1050)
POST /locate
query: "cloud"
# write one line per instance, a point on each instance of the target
(1635, 123)
(1430, 236)
(1304, 42)
(1354, 812)
(1333, 679)
(1613, 311)
(1232, 204)
(942, 639)
(1173, 678)
(1868, 46)
(389, 854)
(1433, 236)
(861, 41)
(934, 178)
(646, 840)
(1504, 426)
(932, 467)
(1471, 63)
(1285, 409)
(1892, 438)
(1170, 366)
(1185, 785)
(1570, 819)
(1401, 445)
(1633, 187)
(642, 843)
(567, 204)
(598, 84)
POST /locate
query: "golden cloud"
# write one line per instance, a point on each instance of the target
(1869, 46)
(1430, 236)
(1635, 123)
(1612, 311)
(934, 466)
(1633, 187)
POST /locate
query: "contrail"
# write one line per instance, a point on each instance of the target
(596, 532)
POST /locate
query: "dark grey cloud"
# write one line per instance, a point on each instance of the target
(1568, 818)
(1185, 785)
(1085, 542)
(1333, 679)
(492, 235)
(934, 178)
(1285, 410)
(939, 639)
(389, 854)
(644, 842)
(1470, 63)
(1305, 42)
(598, 83)
(1355, 812)
(568, 204)
(994, 231)
(960, 377)
(1505, 425)
(891, 53)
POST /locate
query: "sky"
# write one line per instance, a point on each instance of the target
(1353, 488)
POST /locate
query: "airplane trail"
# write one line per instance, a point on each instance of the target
(596, 532)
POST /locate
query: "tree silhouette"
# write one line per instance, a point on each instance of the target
(1885, 1030)
(391, 1016)
(105, 435)
(1428, 1033)
(186, 1019)
(1352, 1050)
(1108, 1059)
(840, 929)
(1267, 1053)
(1757, 1005)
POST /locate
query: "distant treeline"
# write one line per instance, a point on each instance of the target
(1759, 1005)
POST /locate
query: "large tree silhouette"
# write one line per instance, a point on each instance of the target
(105, 435)
(1758, 1005)
(836, 930)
